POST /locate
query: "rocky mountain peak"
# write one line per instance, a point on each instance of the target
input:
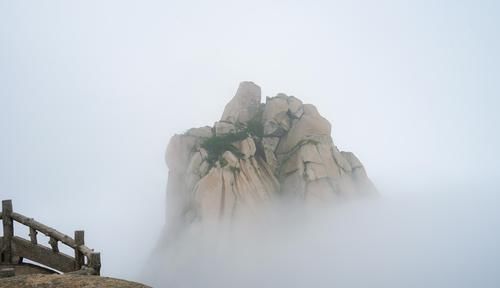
(256, 154)
(244, 105)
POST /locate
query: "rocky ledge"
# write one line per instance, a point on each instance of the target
(65, 281)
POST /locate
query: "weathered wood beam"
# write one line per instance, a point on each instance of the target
(8, 231)
(50, 232)
(86, 250)
(43, 255)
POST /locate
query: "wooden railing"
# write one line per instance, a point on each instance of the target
(13, 248)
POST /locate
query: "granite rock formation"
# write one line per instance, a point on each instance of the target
(255, 154)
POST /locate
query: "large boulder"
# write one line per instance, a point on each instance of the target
(275, 116)
(244, 105)
(295, 107)
(311, 126)
(202, 132)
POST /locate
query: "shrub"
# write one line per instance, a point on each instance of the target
(217, 145)
(255, 127)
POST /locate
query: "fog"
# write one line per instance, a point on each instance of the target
(419, 240)
(91, 91)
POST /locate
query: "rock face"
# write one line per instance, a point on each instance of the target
(258, 153)
(244, 105)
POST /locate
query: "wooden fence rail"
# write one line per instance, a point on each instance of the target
(13, 248)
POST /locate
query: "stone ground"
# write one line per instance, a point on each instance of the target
(65, 281)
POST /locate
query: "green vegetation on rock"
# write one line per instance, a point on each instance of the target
(217, 145)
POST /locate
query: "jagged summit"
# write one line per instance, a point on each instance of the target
(258, 153)
(244, 105)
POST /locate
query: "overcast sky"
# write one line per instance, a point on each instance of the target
(91, 91)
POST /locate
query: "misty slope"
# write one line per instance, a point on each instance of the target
(255, 154)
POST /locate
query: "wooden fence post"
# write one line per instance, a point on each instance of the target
(8, 231)
(33, 236)
(79, 257)
(95, 262)
(53, 243)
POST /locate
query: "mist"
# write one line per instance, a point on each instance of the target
(426, 238)
(91, 92)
